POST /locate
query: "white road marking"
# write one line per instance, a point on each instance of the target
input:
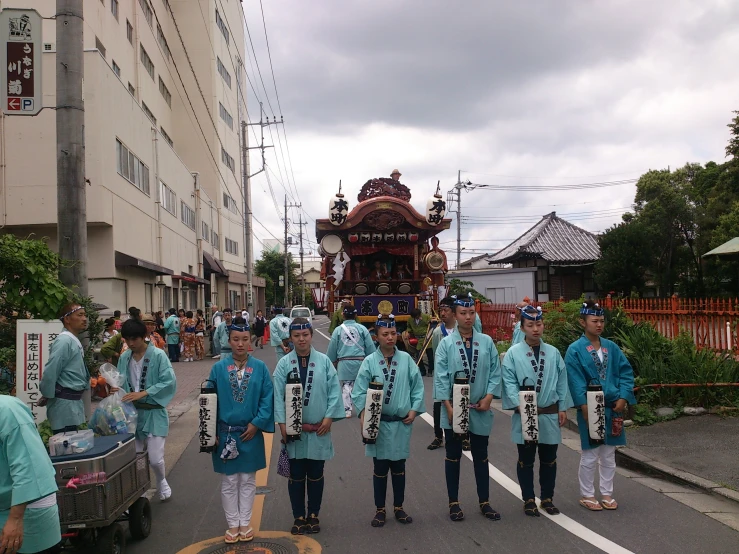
(562, 520)
(329, 338)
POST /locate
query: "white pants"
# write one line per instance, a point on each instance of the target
(155, 447)
(237, 494)
(346, 393)
(604, 457)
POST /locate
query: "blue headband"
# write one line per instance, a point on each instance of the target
(349, 311)
(300, 326)
(389, 323)
(595, 310)
(465, 302)
(531, 313)
(240, 328)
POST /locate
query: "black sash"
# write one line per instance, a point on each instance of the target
(67, 394)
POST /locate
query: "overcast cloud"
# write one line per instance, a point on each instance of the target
(541, 92)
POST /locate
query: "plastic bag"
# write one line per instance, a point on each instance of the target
(113, 416)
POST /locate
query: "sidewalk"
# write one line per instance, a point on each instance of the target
(698, 451)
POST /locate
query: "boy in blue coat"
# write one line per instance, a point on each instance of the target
(245, 413)
(592, 358)
(541, 365)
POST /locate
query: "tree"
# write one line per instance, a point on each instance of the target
(271, 266)
(626, 252)
(462, 288)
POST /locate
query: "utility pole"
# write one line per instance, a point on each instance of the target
(302, 268)
(246, 177)
(287, 283)
(458, 188)
(70, 139)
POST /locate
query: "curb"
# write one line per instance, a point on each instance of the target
(631, 459)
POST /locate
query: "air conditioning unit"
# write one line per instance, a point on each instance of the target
(49, 47)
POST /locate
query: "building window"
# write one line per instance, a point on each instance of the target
(132, 90)
(542, 280)
(205, 231)
(129, 31)
(233, 298)
(187, 215)
(166, 137)
(99, 46)
(222, 26)
(167, 298)
(232, 247)
(116, 69)
(147, 63)
(131, 168)
(215, 240)
(114, 8)
(149, 113)
(229, 203)
(193, 298)
(168, 198)
(223, 72)
(163, 43)
(148, 14)
(148, 298)
(227, 160)
(225, 116)
(165, 92)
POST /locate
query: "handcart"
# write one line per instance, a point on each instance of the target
(91, 514)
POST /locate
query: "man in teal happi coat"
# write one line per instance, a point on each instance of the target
(172, 335)
(149, 382)
(222, 333)
(29, 518)
(245, 412)
(322, 406)
(535, 363)
(65, 377)
(471, 354)
(402, 402)
(594, 360)
(350, 344)
(279, 333)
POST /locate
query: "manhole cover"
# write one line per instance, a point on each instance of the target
(254, 547)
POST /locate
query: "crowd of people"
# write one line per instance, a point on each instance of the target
(323, 389)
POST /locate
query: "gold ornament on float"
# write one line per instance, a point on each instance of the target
(385, 307)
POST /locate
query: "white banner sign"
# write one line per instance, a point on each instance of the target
(33, 342)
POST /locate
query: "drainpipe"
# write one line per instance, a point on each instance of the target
(198, 239)
(4, 169)
(155, 146)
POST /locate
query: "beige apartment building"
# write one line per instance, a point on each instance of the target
(163, 84)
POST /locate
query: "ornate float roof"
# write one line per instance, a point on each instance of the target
(381, 213)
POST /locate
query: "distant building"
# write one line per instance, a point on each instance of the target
(479, 262)
(562, 253)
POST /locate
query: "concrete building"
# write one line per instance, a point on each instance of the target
(163, 84)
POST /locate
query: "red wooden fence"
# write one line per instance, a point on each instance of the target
(711, 321)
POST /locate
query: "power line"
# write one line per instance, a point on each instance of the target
(552, 176)
(539, 188)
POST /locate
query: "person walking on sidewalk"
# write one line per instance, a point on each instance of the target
(149, 382)
(215, 321)
(222, 332)
(172, 330)
(474, 355)
(321, 407)
(188, 329)
(245, 413)
(260, 324)
(65, 377)
(350, 344)
(279, 333)
(199, 335)
(542, 366)
(447, 325)
(593, 358)
(403, 401)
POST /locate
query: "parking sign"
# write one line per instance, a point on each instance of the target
(20, 61)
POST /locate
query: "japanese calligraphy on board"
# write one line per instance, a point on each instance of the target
(20, 61)
(32, 345)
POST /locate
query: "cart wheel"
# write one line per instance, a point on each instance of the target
(111, 540)
(139, 518)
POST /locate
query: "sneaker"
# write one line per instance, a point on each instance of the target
(217, 357)
(348, 414)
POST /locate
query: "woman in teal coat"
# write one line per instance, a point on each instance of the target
(245, 413)
(322, 405)
(593, 359)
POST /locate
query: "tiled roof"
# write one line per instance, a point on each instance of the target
(554, 240)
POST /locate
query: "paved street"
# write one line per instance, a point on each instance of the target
(647, 520)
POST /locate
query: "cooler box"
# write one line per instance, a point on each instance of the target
(108, 455)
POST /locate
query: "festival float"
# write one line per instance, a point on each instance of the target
(383, 256)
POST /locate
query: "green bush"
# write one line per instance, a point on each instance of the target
(503, 346)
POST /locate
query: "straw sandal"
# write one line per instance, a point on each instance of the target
(455, 511)
(592, 505)
(231, 538)
(609, 504)
(530, 509)
(379, 519)
(246, 536)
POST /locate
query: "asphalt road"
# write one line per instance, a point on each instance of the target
(647, 521)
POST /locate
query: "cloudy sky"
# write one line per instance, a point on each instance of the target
(541, 93)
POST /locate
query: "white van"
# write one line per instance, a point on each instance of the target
(301, 311)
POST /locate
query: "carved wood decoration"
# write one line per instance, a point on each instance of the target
(384, 186)
(384, 219)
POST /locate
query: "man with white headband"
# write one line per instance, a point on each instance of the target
(65, 376)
